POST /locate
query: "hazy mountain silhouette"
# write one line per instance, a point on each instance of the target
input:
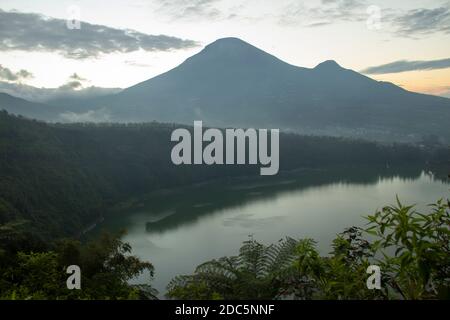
(54, 96)
(26, 108)
(232, 83)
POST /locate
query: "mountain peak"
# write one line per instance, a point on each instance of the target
(230, 46)
(328, 65)
(235, 52)
(229, 42)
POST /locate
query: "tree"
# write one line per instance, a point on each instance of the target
(256, 273)
(419, 267)
(106, 268)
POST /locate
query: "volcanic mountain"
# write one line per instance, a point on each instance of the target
(232, 83)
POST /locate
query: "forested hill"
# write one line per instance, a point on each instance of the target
(56, 179)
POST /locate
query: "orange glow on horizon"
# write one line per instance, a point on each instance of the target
(435, 82)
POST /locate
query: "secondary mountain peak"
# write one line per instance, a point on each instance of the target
(233, 83)
(328, 65)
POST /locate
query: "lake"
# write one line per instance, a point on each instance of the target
(178, 229)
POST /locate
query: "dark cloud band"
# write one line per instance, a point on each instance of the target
(423, 21)
(34, 32)
(190, 9)
(404, 65)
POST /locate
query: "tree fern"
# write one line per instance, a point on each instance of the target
(257, 272)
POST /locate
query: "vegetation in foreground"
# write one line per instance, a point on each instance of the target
(411, 248)
(36, 273)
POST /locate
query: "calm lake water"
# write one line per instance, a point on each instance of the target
(178, 229)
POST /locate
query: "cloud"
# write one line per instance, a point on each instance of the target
(405, 65)
(101, 115)
(443, 91)
(195, 10)
(76, 77)
(48, 94)
(328, 12)
(413, 23)
(422, 21)
(34, 32)
(75, 82)
(134, 63)
(8, 75)
(446, 93)
(71, 85)
(188, 9)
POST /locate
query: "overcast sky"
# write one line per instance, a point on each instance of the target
(120, 43)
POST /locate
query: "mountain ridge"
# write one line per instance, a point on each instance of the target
(233, 83)
(34, 110)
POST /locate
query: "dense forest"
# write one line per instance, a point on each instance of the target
(57, 179)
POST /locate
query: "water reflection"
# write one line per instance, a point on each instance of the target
(188, 205)
(178, 229)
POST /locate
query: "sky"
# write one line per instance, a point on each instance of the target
(115, 43)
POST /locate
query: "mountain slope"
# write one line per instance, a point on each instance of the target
(227, 81)
(63, 95)
(26, 108)
(232, 83)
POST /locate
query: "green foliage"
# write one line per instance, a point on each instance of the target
(411, 248)
(344, 272)
(106, 268)
(419, 267)
(256, 273)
